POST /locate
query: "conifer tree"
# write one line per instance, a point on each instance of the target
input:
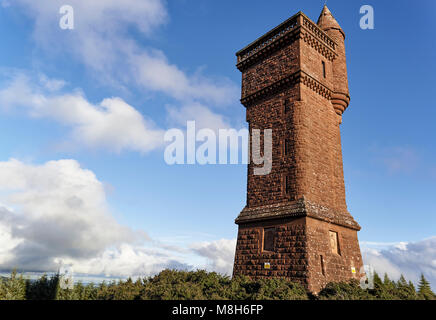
(13, 288)
(382, 289)
(406, 291)
(424, 289)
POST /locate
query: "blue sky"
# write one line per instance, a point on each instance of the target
(166, 62)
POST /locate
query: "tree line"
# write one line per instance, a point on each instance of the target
(202, 285)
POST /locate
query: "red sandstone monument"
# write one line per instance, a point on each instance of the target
(296, 224)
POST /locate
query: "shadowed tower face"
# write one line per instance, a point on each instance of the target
(296, 224)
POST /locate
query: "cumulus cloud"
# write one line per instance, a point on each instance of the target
(57, 210)
(112, 124)
(56, 213)
(203, 117)
(220, 254)
(99, 15)
(407, 258)
(152, 69)
(102, 42)
(129, 261)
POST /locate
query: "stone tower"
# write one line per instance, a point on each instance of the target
(296, 224)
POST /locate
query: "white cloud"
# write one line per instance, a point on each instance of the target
(99, 16)
(410, 259)
(153, 71)
(111, 124)
(57, 213)
(203, 117)
(220, 254)
(59, 209)
(102, 42)
(129, 261)
(51, 84)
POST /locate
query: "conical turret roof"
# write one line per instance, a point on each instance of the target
(326, 21)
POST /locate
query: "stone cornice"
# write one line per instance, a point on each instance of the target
(315, 85)
(297, 77)
(277, 86)
(298, 26)
(292, 209)
(295, 209)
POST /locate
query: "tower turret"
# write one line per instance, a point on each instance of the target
(341, 95)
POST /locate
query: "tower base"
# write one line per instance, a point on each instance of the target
(299, 241)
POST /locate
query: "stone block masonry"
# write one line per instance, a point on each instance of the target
(296, 224)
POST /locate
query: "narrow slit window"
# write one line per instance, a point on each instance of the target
(268, 239)
(287, 147)
(322, 264)
(323, 69)
(288, 185)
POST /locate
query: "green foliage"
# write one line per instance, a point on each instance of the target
(43, 289)
(405, 290)
(13, 288)
(278, 289)
(79, 292)
(383, 290)
(186, 285)
(121, 290)
(202, 285)
(344, 291)
(424, 290)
